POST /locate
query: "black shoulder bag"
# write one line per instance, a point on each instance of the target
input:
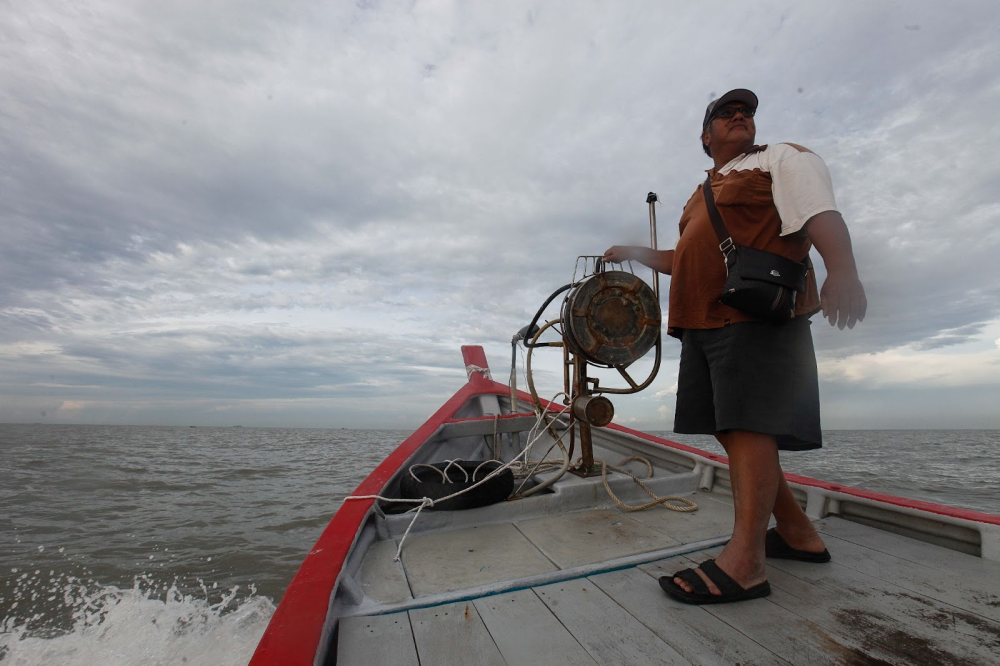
(759, 283)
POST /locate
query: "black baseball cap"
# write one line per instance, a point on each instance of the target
(738, 95)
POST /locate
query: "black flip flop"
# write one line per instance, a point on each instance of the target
(777, 548)
(731, 590)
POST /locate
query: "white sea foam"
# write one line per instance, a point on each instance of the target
(146, 625)
(110, 529)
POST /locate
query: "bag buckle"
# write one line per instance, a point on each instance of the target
(726, 245)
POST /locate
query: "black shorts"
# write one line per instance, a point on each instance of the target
(752, 376)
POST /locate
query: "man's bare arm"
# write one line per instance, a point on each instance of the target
(842, 296)
(661, 261)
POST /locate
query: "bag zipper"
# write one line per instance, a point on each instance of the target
(777, 298)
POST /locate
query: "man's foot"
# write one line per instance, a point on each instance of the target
(709, 584)
(807, 549)
(736, 570)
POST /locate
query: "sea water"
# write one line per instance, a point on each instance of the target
(156, 545)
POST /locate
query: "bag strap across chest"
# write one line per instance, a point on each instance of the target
(725, 239)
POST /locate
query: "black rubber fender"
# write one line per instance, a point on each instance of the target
(430, 484)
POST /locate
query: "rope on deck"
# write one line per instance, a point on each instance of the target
(515, 462)
(664, 501)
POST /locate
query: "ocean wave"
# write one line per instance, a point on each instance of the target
(80, 623)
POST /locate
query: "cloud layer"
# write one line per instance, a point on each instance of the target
(294, 215)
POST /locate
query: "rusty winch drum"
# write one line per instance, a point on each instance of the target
(612, 318)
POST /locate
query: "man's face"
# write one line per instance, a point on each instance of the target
(737, 128)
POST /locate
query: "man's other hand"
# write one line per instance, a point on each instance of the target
(617, 254)
(843, 299)
(842, 296)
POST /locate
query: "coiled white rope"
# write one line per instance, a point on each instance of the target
(427, 502)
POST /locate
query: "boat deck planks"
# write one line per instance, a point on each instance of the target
(899, 624)
(382, 578)
(453, 634)
(938, 566)
(885, 598)
(382, 639)
(714, 517)
(694, 632)
(787, 634)
(861, 614)
(887, 624)
(611, 634)
(970, 583)
(585, 537)
(523, 628)
(458, 559)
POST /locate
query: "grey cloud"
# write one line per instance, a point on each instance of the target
(223, 362)
(307, 199)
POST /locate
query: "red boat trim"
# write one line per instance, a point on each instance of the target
(490, 417)
(293, 635)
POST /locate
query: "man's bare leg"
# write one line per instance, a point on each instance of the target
(793, 524)
(755, 476)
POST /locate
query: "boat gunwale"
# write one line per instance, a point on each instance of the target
(294, 635)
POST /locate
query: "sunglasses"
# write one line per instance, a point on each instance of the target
(730, 111)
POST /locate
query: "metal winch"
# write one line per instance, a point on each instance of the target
(608, 319)
(611, 318)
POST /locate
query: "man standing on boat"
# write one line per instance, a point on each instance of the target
(752, 383)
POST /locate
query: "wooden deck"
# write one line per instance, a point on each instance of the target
(885, 599)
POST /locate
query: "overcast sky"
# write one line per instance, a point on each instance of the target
(294, 213)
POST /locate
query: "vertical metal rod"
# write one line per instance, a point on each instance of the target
(586, 443)
(566, 367)
(514, 438)
(651, 200)
(572, 439)
(513, 375)
(586, 449)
